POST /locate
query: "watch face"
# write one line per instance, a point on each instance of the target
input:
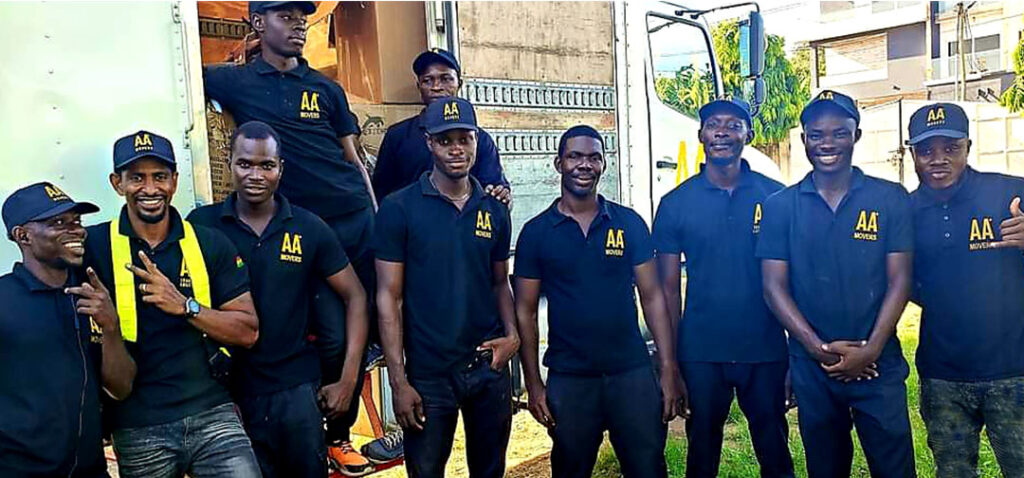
(193, 306)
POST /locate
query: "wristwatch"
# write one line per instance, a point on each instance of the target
(191, 308)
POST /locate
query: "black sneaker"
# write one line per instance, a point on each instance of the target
(386, 448)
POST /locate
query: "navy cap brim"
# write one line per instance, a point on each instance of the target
(79, 207)
(818, 104)
(450, 126)
(718, 105)
(949, 133)
(148, 154)
(428, 58)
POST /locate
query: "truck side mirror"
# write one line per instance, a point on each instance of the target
(752, 44)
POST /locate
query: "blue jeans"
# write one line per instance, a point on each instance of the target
(287, 432)
(205, 445)
(627, 404)
(485, 398)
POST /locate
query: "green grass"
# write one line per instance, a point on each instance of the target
(739, 461)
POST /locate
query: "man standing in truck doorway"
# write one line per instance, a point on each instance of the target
(836, 256)
(729, 343)
(311, 114)
(969, 282)
(404, 155)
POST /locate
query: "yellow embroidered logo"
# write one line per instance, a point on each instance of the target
(291, 248)
(184, 278)
(451, 111)
(143, 142)
(95, 332)
(936, 116)
(826, 95)
(483, 225)
(982, 234)
(55, 194)
(615, 243)
(757, 217)
(310, 106)
(867, 226)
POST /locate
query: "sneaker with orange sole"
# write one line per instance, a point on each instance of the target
(347, 460)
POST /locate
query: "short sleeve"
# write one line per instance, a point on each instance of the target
(217, 83)
(666, 236)
(229, 276)
(488, 168)
(390, 231)
(342, 119)
(641, 248)
(901, 221)
(501, 250)
(528, 253)
(330, 256)
(773, 240)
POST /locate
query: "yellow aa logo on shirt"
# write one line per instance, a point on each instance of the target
(451, 111)
(757, 217)
(936, 116)
(615, 243)
(291, 248)
(143, 142)
(483, 225)
(184, 278)
(982, 234)
(310, 106)
(867, 226)
(54, 193)
(95, 332)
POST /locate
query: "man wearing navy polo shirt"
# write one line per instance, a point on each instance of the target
(585, 254)
(277, 382)
(59, 341)
(446, 315)
(836, 255)
(325, 176)
(969, 281)
(404, 155)
(729, 343)
(178, 419)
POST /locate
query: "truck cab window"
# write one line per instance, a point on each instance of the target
(681, 61)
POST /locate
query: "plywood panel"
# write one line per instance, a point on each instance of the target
(539, 119)
(568, 42)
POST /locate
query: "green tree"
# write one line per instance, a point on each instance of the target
(786, 91)
(1013, 97)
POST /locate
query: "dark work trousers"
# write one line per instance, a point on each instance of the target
(760, 389)
(828, 409)
(286, 429)
(354, 231)
(627, 404)
(485, 398)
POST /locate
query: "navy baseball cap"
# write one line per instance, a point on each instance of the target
(737, 107)
(142, 144)
(449, 113)
(434, 55)
(262, 7)
(832, 99)
(37, 202)
(939, 119)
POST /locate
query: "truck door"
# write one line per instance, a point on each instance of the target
(681, 76)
